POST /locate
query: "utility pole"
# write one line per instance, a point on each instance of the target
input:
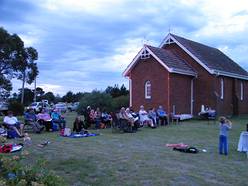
(23, 84)
(35, 89)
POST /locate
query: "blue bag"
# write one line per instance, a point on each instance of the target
(12, 134)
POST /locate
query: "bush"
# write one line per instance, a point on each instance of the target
(12, 172)
(95, 99)
(122, 101)
(16, 107)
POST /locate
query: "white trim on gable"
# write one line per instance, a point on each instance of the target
(170, 70)
(129, 67)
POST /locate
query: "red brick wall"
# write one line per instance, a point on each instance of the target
(207, 88)
(232, 97)
(243, 105)
(203, 84)
(149, 69)
(180, 93)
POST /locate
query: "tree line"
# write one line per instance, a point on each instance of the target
(112, 92)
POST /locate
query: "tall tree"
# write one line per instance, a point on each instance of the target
(28, 68)
(15, 61)
(29, 96)
(11, 48)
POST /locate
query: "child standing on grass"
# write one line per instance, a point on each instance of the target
(225, 125)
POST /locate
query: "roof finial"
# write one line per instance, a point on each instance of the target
(145, 41)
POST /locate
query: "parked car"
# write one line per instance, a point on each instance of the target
(38, 106)
(73, 106)
(61, 107)
(4, 106)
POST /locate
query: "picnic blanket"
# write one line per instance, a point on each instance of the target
(9, 148)
(81, 135)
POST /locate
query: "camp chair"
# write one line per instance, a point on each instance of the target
(174, 118)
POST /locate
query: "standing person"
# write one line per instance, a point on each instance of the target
(106, 118)
(162, 116)
(12, 122)
(224, 125)
(97, 117)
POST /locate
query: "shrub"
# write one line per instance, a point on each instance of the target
(16, 107)
(95, 99)
(12, 172)
(122, 101)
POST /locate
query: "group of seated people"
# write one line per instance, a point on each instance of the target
(98, 118)
(38, 122)
(151, 118)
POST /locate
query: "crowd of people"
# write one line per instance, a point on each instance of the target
(102, 119)
(38, 122)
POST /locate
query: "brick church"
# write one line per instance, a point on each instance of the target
(182, 75)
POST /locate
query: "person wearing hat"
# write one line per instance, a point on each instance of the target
(225, 125)
(12, 122)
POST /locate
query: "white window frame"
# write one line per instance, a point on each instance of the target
(148, 85)
(221, 88)
(241, 91)
(145, 55)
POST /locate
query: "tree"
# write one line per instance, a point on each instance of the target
(49, 96)
(69, 97)
(95, 99)
(11, 47)
(29, 96)
(116, 91)
(28, 68)
(15, 61)
(39, 93)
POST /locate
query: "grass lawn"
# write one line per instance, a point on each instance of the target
(142, 159)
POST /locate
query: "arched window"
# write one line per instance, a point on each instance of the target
(241, 91)
(221, 88)
(148, 90)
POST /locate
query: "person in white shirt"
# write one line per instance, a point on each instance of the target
(12, 122)
(144, 117)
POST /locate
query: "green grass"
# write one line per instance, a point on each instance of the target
(142, 158)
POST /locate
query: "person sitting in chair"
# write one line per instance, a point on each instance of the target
(134, 121)
(45, 119)
(153, 115)
(128, 123)
(57, 118)
(144, 119)
(162, 116)
(30, 118)
(12, 122)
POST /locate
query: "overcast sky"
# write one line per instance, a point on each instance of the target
(85, 45)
